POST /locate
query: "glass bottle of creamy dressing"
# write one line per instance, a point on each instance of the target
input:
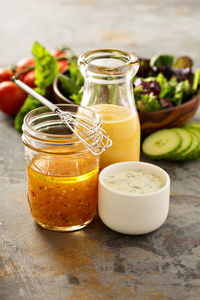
(108, 89)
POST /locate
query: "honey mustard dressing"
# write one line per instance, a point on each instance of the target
(123, 128)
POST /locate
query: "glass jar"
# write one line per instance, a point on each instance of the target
(62, 174)
(108, 89)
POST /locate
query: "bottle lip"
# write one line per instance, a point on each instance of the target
(123, 62)
(41, 118)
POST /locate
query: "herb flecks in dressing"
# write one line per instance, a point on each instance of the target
(134, 181)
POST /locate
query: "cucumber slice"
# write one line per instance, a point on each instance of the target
(186, 137)
(161, 144)
(196, 153)
(193, 151)
(193, 125)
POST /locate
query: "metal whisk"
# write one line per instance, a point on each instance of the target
(95, 139)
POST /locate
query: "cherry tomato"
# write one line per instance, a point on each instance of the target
(5, 74)
(63, 63)
(23, 64)
(56, 52)
(29, 79)
(11, 97)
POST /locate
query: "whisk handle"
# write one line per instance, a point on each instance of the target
(35, 95)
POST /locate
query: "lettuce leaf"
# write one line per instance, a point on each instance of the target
(72, 82)
(146, 102)
(46, 69)
(29, 104)
(46, 66)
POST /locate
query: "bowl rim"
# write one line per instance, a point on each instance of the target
(164, 175)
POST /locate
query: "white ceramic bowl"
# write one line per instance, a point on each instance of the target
(133, 213)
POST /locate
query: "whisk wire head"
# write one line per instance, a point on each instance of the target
(76, 122)
(79, 125)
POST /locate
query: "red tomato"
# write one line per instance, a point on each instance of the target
(23, 64)
(5, 74)
(29, 78)
(11, 97)
(56, 52)
(63, 63)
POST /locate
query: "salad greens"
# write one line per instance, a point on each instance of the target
(196, 80)
(46, 69)
(158, 84)
(147, 102)
(72, 83)
(181, 62)
(156, 92)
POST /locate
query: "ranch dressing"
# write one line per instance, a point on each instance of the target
(134, 181)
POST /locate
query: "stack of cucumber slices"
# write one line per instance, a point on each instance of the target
(175, 144)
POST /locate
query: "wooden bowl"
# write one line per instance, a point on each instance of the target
(170, 117)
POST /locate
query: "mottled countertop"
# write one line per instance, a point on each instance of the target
(97, 263)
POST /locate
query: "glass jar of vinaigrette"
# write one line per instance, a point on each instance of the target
(108, 89)
(62, 174)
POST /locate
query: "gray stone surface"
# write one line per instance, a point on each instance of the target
(146, 27)
(97, 263)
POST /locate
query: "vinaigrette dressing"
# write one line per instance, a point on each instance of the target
(59, 199)
(62, 173)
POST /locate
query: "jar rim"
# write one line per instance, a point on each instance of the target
(30, 133)
(127, 60)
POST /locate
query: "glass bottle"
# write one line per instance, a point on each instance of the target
(62, 174)
(108, 89)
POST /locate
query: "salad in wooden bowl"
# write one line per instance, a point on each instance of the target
(165, 90)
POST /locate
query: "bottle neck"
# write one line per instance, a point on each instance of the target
(116, 92)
